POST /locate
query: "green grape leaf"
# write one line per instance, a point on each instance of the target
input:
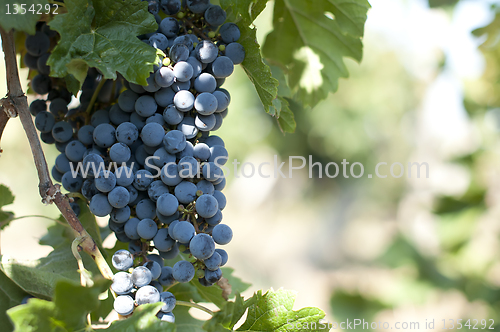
(67, 312)
(227, 318)
(10, 296)
(103, 34)
(286, 120)
(57, 235)
(6, 198)
(273, 311)
(28, 13)
(90, 224)
(237, 285)
(193, 290)
(143, 319)
(248, 10)
(39, 277)
(311, 39)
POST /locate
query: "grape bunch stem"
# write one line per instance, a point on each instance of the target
(48, 191)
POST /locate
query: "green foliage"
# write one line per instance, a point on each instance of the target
(227, 318)
(10, 295)
(6, 198)
(67, 312)
(310, 39)
(246, 10)
(21, 22)
(273, 311)
(143, 319)
(102, 34)
(237, 285)
(39, 277)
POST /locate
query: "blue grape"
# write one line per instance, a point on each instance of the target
(141, 276)
(169, 175)
(206, 51)
(124, 176)
(122, 237)
(205, 83)
(202, 246)
(72, 183)
(119, 197)
(56, 174)
(127, 100)
(196, 65)
(213, 276)
(155, 269)
(218, 155)
(156, 118)
(167, 204)
(184, 40)
(167, 276)
(164, 77)
(156, 189)
(172, 116)
(169, 300)
(207, 206)
(204, 282)
(167, 219)
(213, 140)
(159, 41)
(124, 305)
(183, 271)
(222, 100)
(88, 189)
(183, 71)
(214, 262)
(162, 241)
(201, 151)
(62, 131)
(185, 192)
(166, 317)
(205, 103)
(172, 253)
(152, 134)
(157, 285)
(222, 234)
(205, 122)
(188, 167)
(120, 153)
(44, 122)
(205, 187)
(212, 172)
(41, 84)
(229, 32)
(188, 127)
(187, 152)
(58, 107)
(31, 61)
(153, 6)
(105, 181)
(104, 135)
(216, 219)
(145, 209)
(169, 27)
(138, 121)
(75, 150)
(235, 52)
(174, 141)
(170, 7)
(156, 258)
(215, 15)
(122, 283)
(37, 44)
(100, 206)
(221, 199)
(143, 179)
(184, 101)
(222, 67)
(223, 255)
(184, 231)
(117, 116)
(85, 134)
(121, 215)
(122, 260)
(135, 247)
(145, 106)
(38, 106)
(218, 121)
(147, 294)
(152, 85)
(127, 133)
(164, 97)
(178, 52)
(198, 6)
(134, 195)
(99, 117)
(180, 86)
(130, 228)
(116, 227)
(162, 157)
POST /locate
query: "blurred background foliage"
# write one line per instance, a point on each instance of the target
(394, 249)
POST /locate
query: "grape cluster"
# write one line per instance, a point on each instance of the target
(144, 155)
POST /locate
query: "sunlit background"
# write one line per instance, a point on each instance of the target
(379, 249)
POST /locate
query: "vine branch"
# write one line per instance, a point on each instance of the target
(49, 192)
